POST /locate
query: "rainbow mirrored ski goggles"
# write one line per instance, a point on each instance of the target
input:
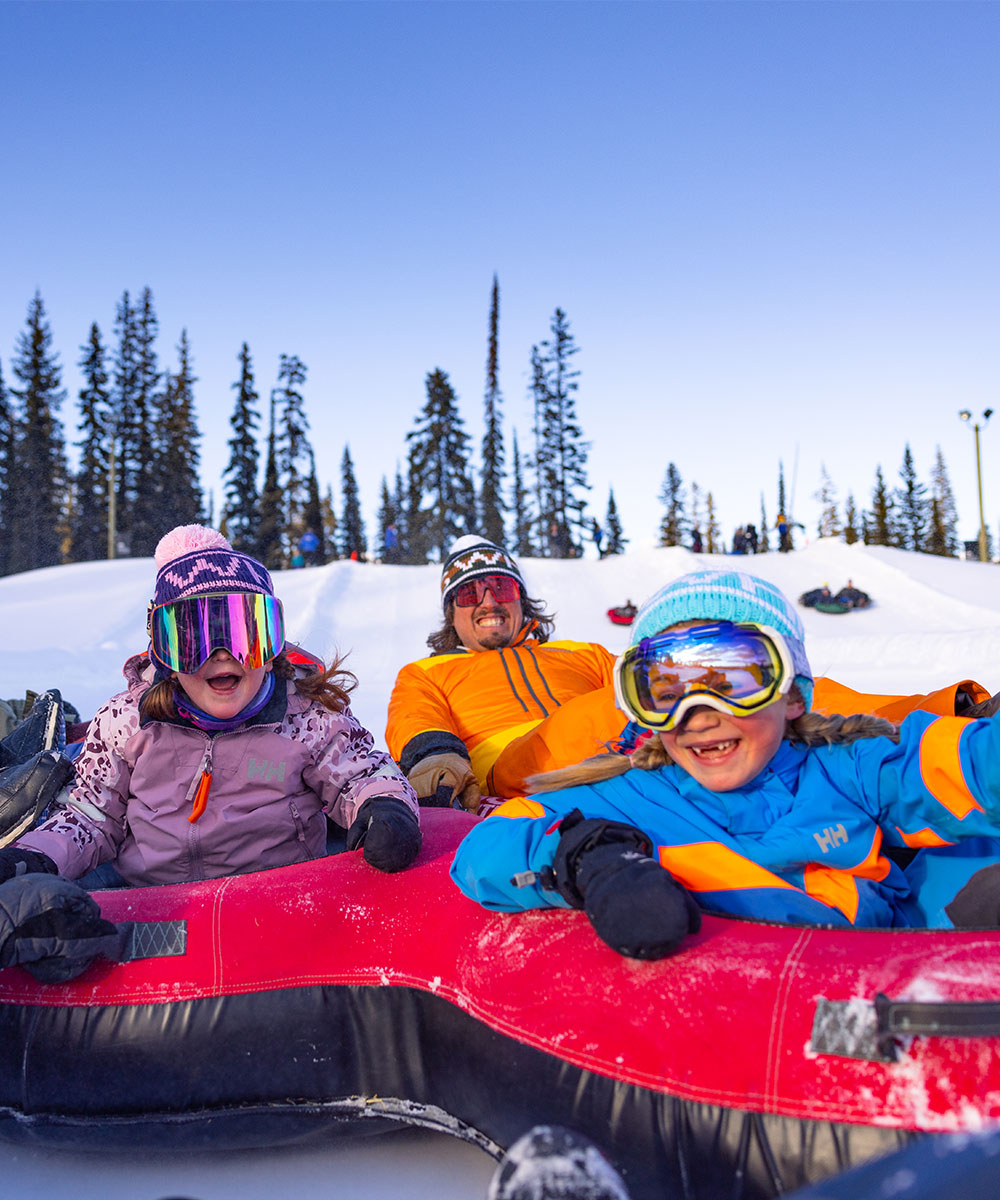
(737, 669)
(185, 633)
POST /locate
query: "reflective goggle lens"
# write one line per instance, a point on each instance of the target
(183, 635)
(736, 668)
(505, 590)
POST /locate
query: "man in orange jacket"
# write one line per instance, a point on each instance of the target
(497, 701)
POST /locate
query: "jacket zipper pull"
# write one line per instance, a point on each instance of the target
(201, 795)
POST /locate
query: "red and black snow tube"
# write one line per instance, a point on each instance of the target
(328, 997)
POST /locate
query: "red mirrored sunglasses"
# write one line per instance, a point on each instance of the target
(505, 590)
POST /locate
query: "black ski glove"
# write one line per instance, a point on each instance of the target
(389, 832)
(14, 861)
(634, 904)
(26, 790)
(53, 928)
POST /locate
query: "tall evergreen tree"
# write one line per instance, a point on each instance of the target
(178, 494)
(152, 404)
(713, 534)
(763, 539)
(90, 517)
(385, 517)
(564, 481)
(124, 431)
(6, 460)
(520, 507)
(353, 543)
(491, 493)
(697, 513)
(880, 522)
(329, 524)
(293, 443)
(672, 525)
(441, 501)
(615, 540)
(270, 547)
(540, 460)
(829, 519)
(37, 476)
(851, 520)
(943, 533)
(240, 475)
(312, 516)
(911, 506)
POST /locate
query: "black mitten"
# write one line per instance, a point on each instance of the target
(977, 905)
(634, 904)
(14, 861)
(53, 928)
(389, 832)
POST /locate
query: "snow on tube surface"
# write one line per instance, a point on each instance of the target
(327, 998)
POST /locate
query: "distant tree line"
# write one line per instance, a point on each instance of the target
(911, 516)
(138, 464)
(139, 456)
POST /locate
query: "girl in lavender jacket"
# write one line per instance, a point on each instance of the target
(222, 756)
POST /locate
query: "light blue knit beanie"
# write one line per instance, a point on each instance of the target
(727, 596)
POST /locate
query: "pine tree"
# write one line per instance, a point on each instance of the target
(943, 533)
(6, 459)
(270, 548)
(565, 477)
(851, 520)
(911, 507)
(764, 540)
(672, 525)
(37, 476)
(826, 495)
(178, 495)
(520, 509)
(240, 475)
(293, 445)
(385, 517)
(148, 520)
(880, 522)
(441, 502)
(90, 516)
(615, 540)
(491, 492)
(312, 516)
(697, 525)
(353, 543)
(713, 534)
(329, 524)
(540, 460)
(124, 431)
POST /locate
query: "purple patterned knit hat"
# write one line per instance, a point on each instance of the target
(195, 561)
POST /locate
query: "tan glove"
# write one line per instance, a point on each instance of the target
(440, 778)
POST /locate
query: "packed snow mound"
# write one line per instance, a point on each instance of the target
(936, 620)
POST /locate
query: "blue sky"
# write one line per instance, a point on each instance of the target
(773, 227)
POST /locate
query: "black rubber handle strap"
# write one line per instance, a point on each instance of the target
(937, 1018)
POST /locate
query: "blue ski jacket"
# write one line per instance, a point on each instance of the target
(803, 842)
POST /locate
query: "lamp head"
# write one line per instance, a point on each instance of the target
(965, 414)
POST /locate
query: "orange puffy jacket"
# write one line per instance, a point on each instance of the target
(526, 708)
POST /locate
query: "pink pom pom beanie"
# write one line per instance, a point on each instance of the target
(192, 560)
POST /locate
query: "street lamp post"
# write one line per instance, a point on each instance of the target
(966, 416)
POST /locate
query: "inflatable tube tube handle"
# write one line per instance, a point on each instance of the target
(153, 939)
(872, 1030)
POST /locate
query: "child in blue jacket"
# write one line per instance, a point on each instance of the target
(743, 800)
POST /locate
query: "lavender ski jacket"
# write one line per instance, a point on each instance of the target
(272, 783)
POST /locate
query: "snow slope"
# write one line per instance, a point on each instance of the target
(934, 620)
